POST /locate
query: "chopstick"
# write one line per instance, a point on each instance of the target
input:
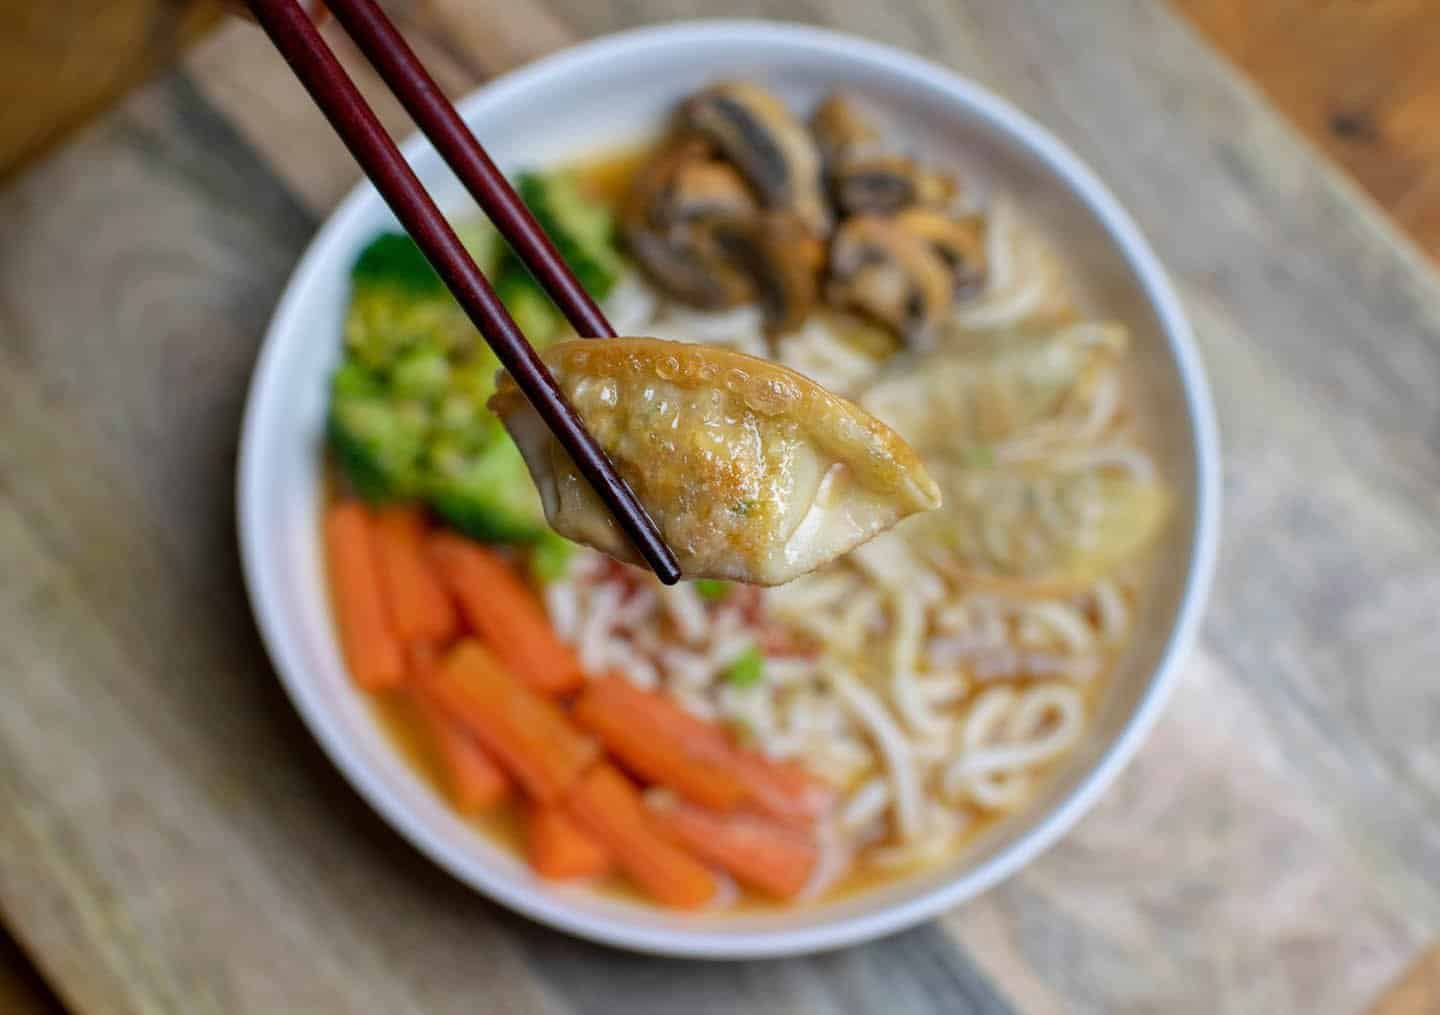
(401, 69)
(315, 65)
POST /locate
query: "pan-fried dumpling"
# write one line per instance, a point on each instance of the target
(752, 472)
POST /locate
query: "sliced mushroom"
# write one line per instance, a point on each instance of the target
(842, 130)
(865, 177)
(960, 242)
(891, 275)
(753, 129)
(783, 257)
(886, 184)
(670, 221)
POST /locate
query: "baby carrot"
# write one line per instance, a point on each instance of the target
(422, 662)
(783, 790)
(475, 783)
(607, 805)
(526, 733)
(664, 744)
(559, 848)
(418, 601)
(372, 648)
(762, 854)
(660, 742)
(503, 611)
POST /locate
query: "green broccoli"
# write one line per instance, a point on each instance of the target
(398, 303)
(527, 303)
(422, 374)
(378, 441)
(487, 494)
(407, 414)
(582, 230)
(393, 259)
(551, 556)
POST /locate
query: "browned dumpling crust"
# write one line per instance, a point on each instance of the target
(753, 472)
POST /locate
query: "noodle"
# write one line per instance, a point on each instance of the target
(1114, 614)
(909, 623)
(1004, 736)
(594, 637)
(893, 748)
(866, 804)
(836, 856)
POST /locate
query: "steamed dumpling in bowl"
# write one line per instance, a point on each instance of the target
(1044, 492)
(752, 472)
(998, 390)
(1038, 530)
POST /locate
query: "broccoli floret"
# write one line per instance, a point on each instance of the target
(551, 556)
(407, 415)
(474, 377)
(482, 240)
(486, 494)
(422, 374)
(393, 259)
(582, 230)
(398, 303)
(378, 442)
(353, 379)
(535, 315)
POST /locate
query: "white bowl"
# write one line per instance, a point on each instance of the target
(593, 96)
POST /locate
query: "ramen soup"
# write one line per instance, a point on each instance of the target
(879, 700)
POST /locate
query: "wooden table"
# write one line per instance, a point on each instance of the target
(174, 840)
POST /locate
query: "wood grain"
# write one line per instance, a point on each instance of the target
(1417, 992)
(176, 841)
(63, 61)
(1360, 78)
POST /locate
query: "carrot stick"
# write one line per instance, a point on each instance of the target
(367, 636)
(660, 742)
(474, 782)
(418, 601)
(766, 855)
(782, 790)
(559, 848)
(506, 614)
(527, 734)
(607, 805)
(422, 662)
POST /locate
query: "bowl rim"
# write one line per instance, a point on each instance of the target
(700, 942)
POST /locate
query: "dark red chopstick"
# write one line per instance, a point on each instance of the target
(315, 65)
(400, 68)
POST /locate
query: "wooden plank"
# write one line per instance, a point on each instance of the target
(69, 60)
(1271, 849)
(1415, 993)
(1361, 80)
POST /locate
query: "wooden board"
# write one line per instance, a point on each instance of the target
(175, 841)
(1361, 80)
(68, 59)
(1417, 992)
